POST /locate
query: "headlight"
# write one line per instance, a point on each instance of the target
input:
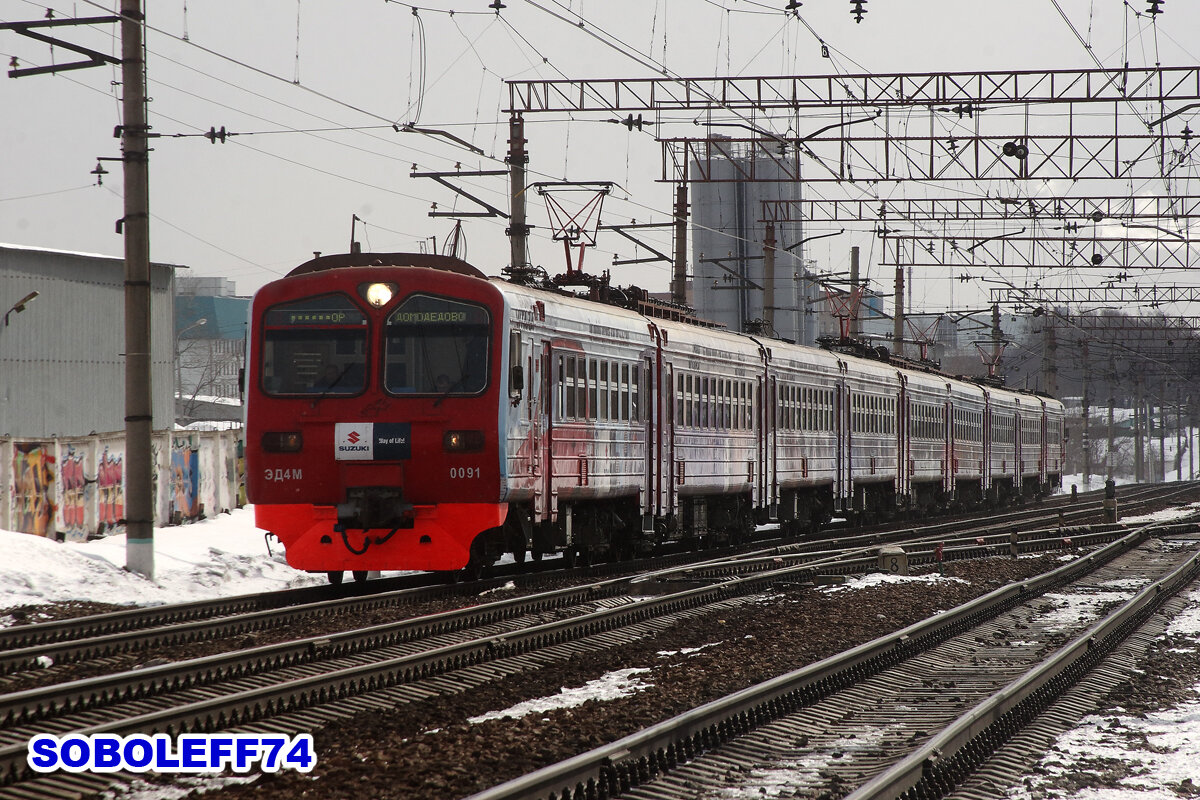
(378, 294)
(282, 441)
(462, 441)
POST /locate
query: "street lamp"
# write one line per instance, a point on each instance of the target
(178, 356)
(19, 306)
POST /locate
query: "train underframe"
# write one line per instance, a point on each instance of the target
(588, 531)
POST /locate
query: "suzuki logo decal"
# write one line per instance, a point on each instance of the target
(353, 437)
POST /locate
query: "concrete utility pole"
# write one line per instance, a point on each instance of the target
(1087, 445)
(1139, 444)
(518, 157)
(679, 275)
(854, 311)
(139, 410)
(769, 278)
(898, 322)
(1050, 360)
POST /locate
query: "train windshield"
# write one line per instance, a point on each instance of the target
(316, 346)
(435, 345)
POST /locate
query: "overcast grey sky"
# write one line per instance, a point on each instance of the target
(258, 205)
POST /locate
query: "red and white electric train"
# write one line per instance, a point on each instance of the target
(404, 411)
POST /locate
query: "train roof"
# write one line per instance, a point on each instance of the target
(430, 260)
(679, 332)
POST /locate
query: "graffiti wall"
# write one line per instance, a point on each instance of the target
(32, 491)
(75, 489)
(185, 479)
(110, 487)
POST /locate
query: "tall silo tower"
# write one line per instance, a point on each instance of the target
(727, 250)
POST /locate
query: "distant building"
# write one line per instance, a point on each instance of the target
(62, 360)
(210, 335)
(727, 248)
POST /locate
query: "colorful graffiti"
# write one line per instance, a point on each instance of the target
(185, 482)
(33, 489)
(111, 486)
(75, 491)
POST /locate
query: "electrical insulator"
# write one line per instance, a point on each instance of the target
(1154, 7)
(793, 5)
(856, 8)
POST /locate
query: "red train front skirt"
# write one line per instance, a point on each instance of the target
(440, 538)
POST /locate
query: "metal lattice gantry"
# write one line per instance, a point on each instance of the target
(1119, 296)
(1093, 209)
(960, 92)
(868, 128)
(1029, 249)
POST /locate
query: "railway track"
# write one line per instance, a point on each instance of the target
(102, 639)
(304, 684)
(916, 714)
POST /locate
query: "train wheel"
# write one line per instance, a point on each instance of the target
(536, 554)
(335, 577)
(519, 555)
(360, 575)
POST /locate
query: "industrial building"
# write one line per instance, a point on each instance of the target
(210, 346)
(729, 266)
(62, 363)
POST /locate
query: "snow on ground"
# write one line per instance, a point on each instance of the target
(610, 686)
(218, 557)
(876, 578)
(1161, 751)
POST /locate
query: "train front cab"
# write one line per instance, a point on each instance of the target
(372, 414)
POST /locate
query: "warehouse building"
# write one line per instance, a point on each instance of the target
(62, 363)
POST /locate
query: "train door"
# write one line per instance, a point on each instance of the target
(841, 427)
(1043, 447)
(660, 441)
(985, 479)
(769, 491)
(543, 429)
(948, 459)
(903, 470)
(1018, 446)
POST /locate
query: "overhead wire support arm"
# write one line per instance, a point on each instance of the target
(96, 59)
(624, 231)
(440, 177)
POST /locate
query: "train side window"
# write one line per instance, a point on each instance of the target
(614, 392)
(581, 388)
(685, 418)
(559, 393)
(591, 388)
(602, 388)
(636, 402)
(726, 402)
(680, 398)
(570, 387)
(624, 392)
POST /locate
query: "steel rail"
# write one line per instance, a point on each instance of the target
(945, 760)
(635, 759)
(63, 641)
